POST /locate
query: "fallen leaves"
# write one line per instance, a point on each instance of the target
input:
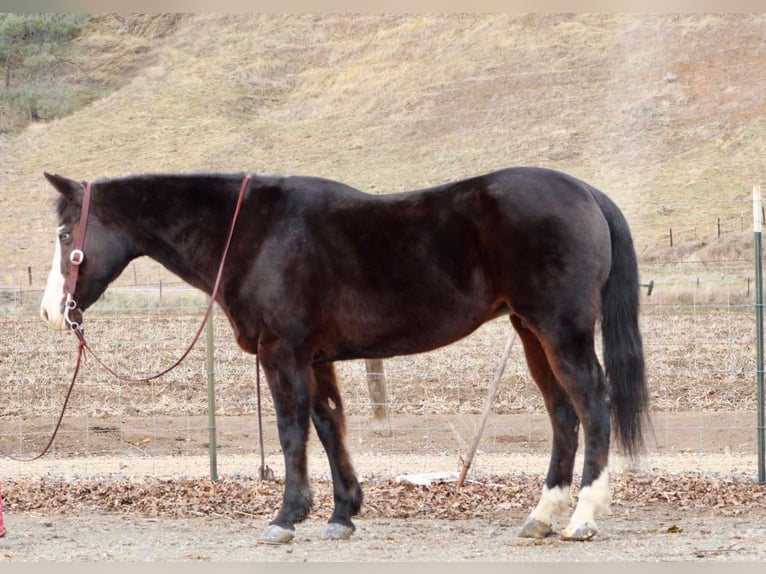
(729, 495)
(492, 498)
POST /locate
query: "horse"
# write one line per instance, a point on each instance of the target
(320, 272)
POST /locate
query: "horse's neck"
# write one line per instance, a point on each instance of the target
(180, 232)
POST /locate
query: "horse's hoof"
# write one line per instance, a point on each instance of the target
(535, 529)
(335, 531)
(274, 534)
(579, 533)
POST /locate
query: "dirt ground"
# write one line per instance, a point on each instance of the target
(669, 433)
(660, 529)
(661, 534)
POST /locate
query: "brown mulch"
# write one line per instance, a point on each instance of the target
(489, 498)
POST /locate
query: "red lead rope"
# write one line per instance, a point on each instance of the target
(77, 328)
(80, 349)
(81, 336)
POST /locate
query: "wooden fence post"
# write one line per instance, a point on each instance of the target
(376, 382)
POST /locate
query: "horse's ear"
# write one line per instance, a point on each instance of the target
(69, 188)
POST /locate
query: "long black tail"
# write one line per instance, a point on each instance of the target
(623, 347)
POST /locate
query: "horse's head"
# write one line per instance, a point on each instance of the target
(106, 251)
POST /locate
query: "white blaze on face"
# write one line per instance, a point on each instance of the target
(52, 306)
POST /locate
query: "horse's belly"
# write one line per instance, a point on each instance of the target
(406, 328)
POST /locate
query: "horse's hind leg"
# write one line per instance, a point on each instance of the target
(555, 498)
(329, 422)
(577, 369)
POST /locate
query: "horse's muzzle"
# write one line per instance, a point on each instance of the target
(55, 319)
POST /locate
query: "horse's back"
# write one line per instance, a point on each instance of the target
(539, 193)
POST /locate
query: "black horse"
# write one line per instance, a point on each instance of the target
(320, 272)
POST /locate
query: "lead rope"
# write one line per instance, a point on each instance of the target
(80, 352)
(265, 472)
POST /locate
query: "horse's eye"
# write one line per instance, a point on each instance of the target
(64, 236)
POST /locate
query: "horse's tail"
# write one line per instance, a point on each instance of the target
(623, 347)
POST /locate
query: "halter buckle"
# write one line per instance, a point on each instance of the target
(76, 257)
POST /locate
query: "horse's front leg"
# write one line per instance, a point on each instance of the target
(329, 421)
(289, 383)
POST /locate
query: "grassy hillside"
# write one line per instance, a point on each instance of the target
(666, 113)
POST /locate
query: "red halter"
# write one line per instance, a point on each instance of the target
(76, 257)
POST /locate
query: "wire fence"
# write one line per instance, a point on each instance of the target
(697, 322)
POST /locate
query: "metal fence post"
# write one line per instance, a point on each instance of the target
(210, 368)
(758, 229)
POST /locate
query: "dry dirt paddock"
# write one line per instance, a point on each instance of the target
(672, 507)
(661, 533)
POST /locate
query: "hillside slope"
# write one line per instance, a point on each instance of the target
(665, 113)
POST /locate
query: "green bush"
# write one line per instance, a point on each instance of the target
(34, 49)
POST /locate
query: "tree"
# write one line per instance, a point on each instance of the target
(32, 49)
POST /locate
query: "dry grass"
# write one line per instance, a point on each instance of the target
(392, 102)
(700, 360)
